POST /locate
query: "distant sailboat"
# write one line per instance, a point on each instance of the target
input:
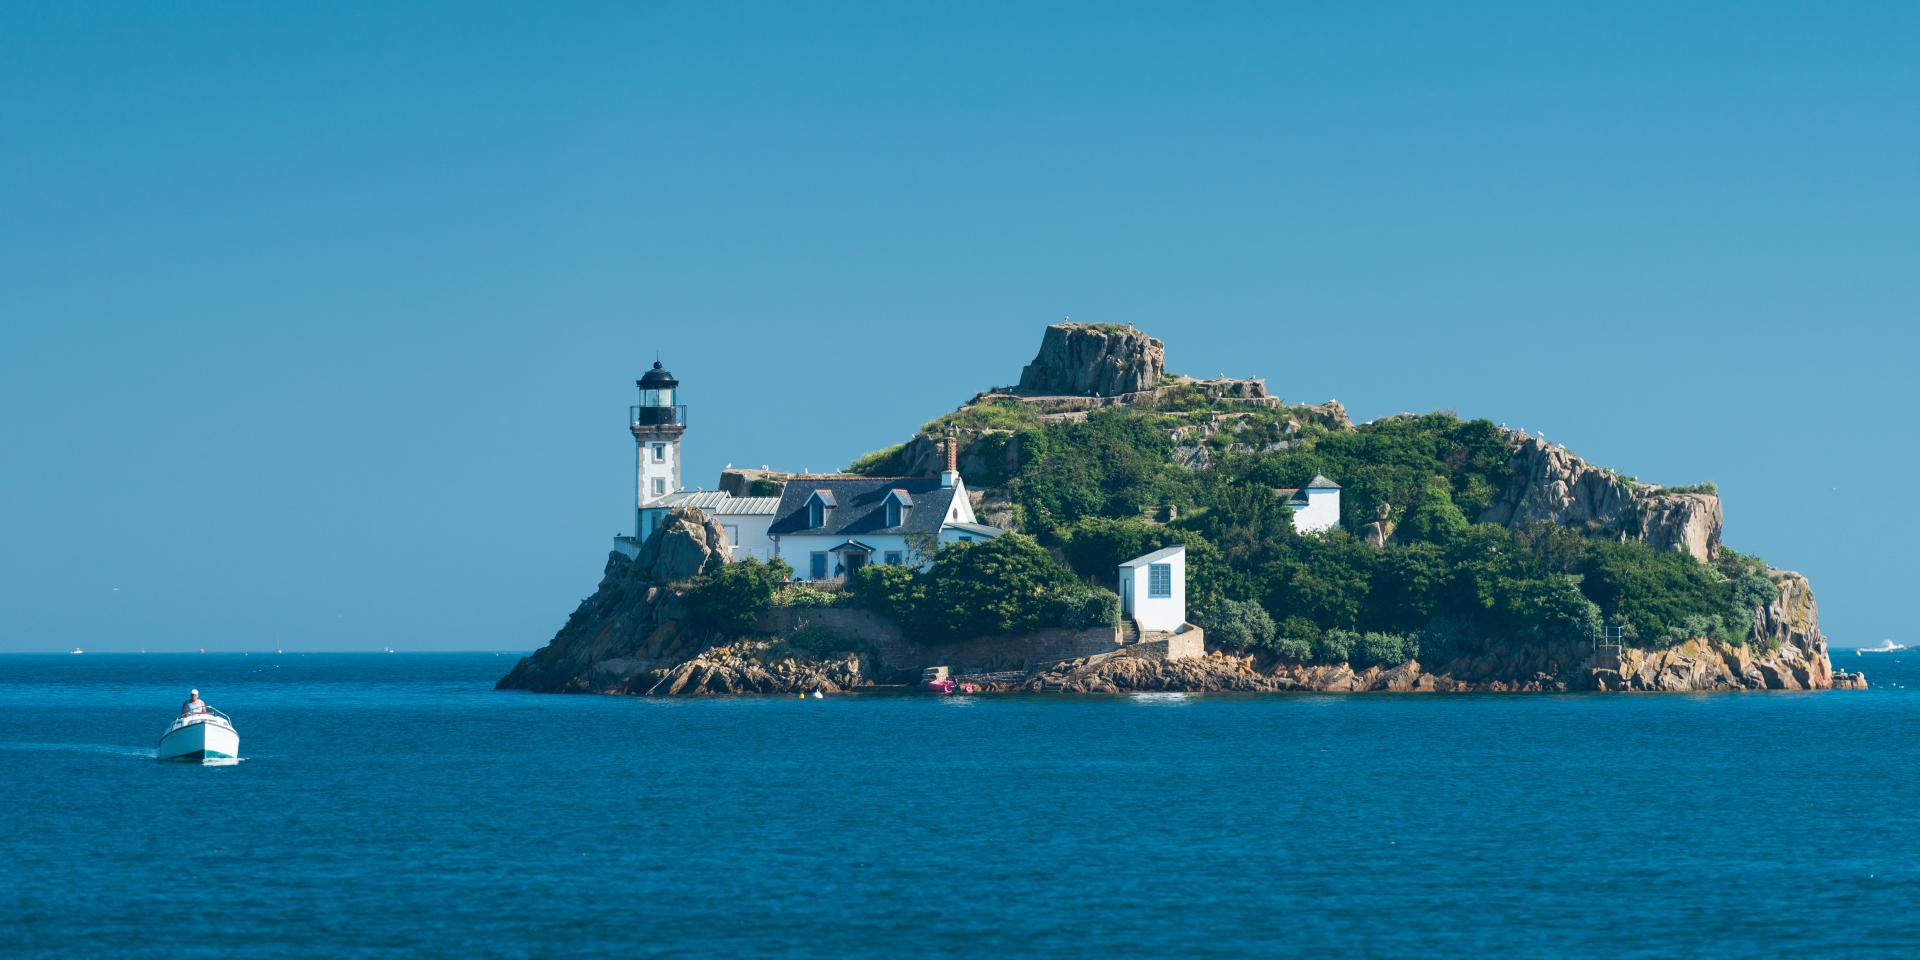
(1886, 646)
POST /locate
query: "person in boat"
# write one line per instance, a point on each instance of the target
(194, 704)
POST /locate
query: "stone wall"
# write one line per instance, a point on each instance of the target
(1188, 643)
(899, 653)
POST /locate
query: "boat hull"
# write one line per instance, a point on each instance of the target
(200, 740)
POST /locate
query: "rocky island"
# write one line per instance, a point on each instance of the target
(1451, 555)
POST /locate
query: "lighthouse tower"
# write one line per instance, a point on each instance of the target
(657, 423)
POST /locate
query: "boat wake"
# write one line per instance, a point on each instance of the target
(89, 749)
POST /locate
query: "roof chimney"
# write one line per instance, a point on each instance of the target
(952, 475)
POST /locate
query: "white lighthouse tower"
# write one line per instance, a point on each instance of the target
(658, 422)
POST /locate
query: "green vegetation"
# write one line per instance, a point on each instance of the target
(992, 413)
(1007, 585)
(765, 487)
(1708, 487)
(1239, 625)
(825, 593)
(815, 638)
(1112, 464)
(890, 462)
(730, 597)
(1446, 586)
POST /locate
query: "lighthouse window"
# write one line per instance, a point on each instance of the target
(659, 486)
(659, 453)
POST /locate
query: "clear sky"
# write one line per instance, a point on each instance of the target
(318, 323)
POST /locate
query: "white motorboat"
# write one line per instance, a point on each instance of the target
(200, 737)
(1886, 646)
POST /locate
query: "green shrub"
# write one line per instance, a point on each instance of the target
(1003, 585)
(1335, 646)
(993, 413)
(1383, 649)
(805, 595)
(764, 487)
(1238, 625)
(890, 462)
(1708, 487)
(1087, 608)
(814, 638)
(733, 595)
(892, 591)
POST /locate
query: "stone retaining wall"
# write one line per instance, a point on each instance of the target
(899, 652)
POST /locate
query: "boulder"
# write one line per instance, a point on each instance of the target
(685, 543)
(1094, 358)
(1377, 533)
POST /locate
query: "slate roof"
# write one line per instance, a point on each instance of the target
(1156, 557)
(860, 505)
(1320, 482)
(719, 503)
(975, 528)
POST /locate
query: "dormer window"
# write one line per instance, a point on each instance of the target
(817, 507)
(897, 504)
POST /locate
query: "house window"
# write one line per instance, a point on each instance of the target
(659, 486)
(892, 557)
(966, 539)
(659, 453)
(816, 515)
(893, 513)
(733, 533)
(1159, 581)
(817, 565)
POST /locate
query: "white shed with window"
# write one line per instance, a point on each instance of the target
(1153, 589)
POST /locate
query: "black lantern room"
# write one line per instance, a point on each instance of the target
(657, 390)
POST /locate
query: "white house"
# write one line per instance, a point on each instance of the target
(830, 526)
(1153, 590)
(1316, 506)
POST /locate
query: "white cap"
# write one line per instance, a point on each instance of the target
(193, 693)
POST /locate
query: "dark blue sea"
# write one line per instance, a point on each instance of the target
(395, 805)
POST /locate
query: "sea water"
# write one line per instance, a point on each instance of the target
(396, 805)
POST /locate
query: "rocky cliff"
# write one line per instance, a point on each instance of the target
(632, 635)
(1552, 484)
(634, 616)
(1094, 358)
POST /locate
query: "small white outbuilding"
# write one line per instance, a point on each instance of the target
(1153, 589)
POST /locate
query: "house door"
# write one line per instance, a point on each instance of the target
(1126, 595)
(855, 560)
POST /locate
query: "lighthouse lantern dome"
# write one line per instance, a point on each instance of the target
(657, 387)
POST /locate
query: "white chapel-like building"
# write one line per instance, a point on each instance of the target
(1316, 506)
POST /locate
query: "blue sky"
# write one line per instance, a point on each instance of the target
(318, 324)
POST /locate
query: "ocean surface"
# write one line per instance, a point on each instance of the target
(395, 805)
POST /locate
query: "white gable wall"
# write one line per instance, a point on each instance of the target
(1322, 511)
(1166, 614)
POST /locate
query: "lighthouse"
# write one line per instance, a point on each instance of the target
(657, 421)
